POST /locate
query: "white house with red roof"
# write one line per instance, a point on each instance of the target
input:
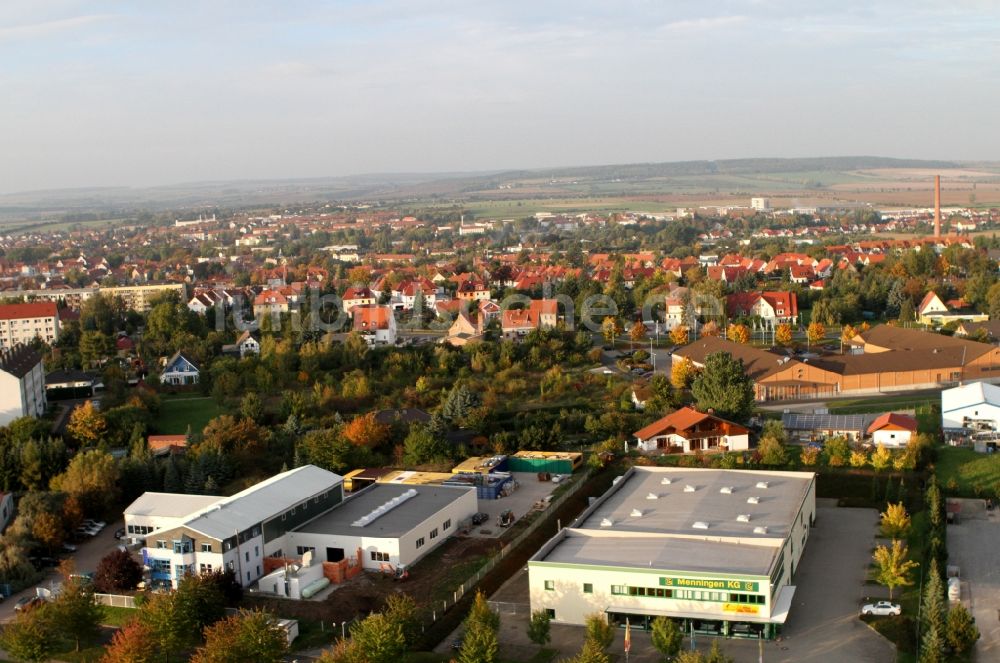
(377, 324)
(772, 307)
(358, 296)
(540, 314)
(22, 323)
(687, 430)
(893, 430)
(270, 302)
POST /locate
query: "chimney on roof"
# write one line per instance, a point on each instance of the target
(937, 205)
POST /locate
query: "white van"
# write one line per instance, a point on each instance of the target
(954, 589)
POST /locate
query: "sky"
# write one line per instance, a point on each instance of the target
(98, 93)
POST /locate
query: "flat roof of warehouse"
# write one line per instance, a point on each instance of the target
(395, 521)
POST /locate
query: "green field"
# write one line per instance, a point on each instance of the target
(965, 470)
(177, 413)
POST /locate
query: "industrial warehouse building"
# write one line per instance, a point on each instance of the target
(881, 360)
(300, 518)
(713, 549)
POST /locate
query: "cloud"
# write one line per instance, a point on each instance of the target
(702, 24)
(44, 28)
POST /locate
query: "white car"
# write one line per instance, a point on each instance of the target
(881, 608)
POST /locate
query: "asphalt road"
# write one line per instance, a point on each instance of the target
(972, 546)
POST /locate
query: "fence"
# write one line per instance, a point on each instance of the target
(437, 611)
(115, 600)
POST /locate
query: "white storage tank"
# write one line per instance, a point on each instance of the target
(954, 589)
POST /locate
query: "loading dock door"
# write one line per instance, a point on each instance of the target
(334, 554)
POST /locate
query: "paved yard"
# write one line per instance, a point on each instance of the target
(972, 546)
(823, 626)
(529, 491)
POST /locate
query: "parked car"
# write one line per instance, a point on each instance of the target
(881, 608)
(94, 524)
(120, 533)
(28, 603)
(480, 518)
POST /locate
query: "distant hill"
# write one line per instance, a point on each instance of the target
(414, 188)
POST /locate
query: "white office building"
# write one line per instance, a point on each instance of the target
(296, 517)
(715, 550)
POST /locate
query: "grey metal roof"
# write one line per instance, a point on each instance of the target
(840, 422)
(262, 501)
(169, 505)
(675, 510)
(398, 521)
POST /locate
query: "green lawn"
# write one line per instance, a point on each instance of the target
(114, 616)
(177, 413)
(960, 471)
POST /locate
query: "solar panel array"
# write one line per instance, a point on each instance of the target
(839, 422)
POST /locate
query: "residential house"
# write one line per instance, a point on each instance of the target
(377, 324)
(472, 290)
(463, 331)
(178, 370)
(988, 330)
(934, 311)
(540, 314)
(687, 430)
(773, 308)
(358, 296)
(893, 430)
(162, 445)
(22, 384)
(270, 303)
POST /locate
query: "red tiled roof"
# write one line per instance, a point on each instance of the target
(30, 310)
(894, 420)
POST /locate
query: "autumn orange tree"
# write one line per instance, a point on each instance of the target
(679, 335)
(816, 332)
(637, 332)
(365, 431)
(738, 333)
(783, 333)
(683, 373)
(87, 425)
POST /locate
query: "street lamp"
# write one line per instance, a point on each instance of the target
(343, 630)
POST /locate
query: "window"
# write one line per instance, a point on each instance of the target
(204, 568)
(293, 510)
(552, 612)
(206, 546)
(434, 533)
(247, 553)
(232, 565)
(302, 550)
(420, 542)
(447, 525)
(161, 543)
(256, 551)
(131, 529)
(550, 585)
(588, 588)
(284, 515)
(380, 556)
(618, 590)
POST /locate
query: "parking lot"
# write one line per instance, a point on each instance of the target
(972, 546)
(88, 553)
(529, 491)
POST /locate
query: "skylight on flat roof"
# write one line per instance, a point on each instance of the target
(384, 509)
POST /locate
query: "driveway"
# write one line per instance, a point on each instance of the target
(972, 546)
(823, 625)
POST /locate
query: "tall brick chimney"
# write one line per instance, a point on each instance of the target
(937, 205)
